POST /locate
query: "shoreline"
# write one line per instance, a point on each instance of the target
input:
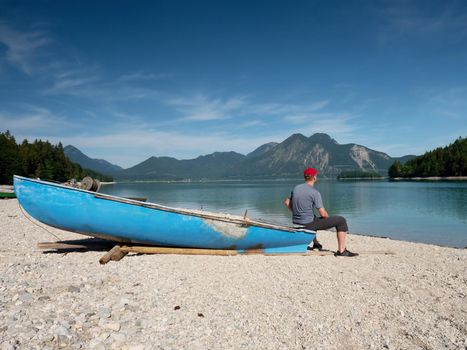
(430, 178)
(412, 299)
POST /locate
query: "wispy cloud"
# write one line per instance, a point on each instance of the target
(34, 120)
(22, 47)
(202, 108)
(286, 108)
(141, 76)
(409, 18)
(448, 103)
(86, 83)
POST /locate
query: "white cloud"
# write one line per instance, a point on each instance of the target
(138, 76)
(33, 120)
(334, 124)
(202, 108)
(22, 47)
(282, 109)
(407, 18)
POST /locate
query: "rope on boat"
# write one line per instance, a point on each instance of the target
(35, 223)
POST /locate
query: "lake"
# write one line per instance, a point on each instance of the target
(430, 212)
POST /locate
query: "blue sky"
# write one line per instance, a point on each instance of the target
(127, 80)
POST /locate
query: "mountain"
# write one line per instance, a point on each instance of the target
(262, 149)
(405, 159)
(217, 165)
(100, 165)
(320, 151)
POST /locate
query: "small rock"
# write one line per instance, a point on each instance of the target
(7, 346)
(114, 326)
(26, 297)
(103, 336)
(47, 337)
(66, 325)
(105, 313)
(96, 345)
(123, 302)
(62, 340)
(60, 330)
(119, 337)
(136, 347)
(73, 289)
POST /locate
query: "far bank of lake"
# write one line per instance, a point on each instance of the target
(419, 211)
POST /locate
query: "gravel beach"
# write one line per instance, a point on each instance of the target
(415, 299)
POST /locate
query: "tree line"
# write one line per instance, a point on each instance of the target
(443, 161)
(39, 159)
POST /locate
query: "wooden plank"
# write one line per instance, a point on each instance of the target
(170, 250)
(223, 252)
(114, 254)
(59, 245)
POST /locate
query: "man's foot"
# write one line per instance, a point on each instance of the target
(316, 245)
(345, 253)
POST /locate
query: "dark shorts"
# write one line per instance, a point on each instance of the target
(338, 222)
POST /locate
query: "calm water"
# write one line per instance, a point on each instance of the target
(431, 212)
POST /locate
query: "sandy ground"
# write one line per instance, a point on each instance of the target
(415, 299)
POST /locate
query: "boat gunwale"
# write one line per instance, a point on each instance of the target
(211, 216)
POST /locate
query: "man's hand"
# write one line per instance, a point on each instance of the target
(323, 213)
(288, 203)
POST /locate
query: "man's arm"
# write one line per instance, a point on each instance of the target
(288, 203)
(323, 213)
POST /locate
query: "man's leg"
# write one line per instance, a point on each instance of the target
(338, 222)
(341, 240)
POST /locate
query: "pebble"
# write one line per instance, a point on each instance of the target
(118, 337)
(105, 313)
(60, 330)
(73, 289)
(113, 326)
(96, 345)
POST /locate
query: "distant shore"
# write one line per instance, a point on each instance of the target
(363, 178)
(431, 178)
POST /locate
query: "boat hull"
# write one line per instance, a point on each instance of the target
(119, 219)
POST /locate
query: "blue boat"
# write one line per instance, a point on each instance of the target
(126, 220)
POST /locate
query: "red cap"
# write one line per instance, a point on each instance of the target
(310, 172)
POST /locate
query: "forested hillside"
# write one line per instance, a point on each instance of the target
(39, 159)
(443, 161)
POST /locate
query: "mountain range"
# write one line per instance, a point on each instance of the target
(100, 165)
(271, 160)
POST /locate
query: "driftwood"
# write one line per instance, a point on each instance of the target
(114, 254)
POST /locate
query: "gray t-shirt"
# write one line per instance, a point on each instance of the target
(304, 198)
